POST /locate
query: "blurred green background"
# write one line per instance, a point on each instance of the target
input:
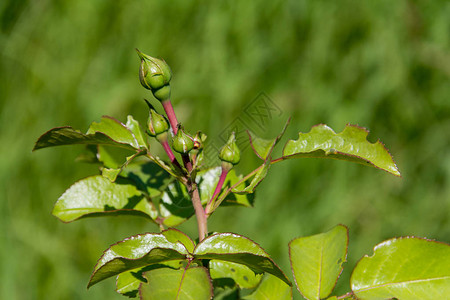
(384, 65)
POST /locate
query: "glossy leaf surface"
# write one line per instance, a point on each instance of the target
(271, 288)
(115, 130)
(241, 274)
(165, 283)
(134, 252)
(238, 249)
(350, 145)
(404, 268)
(61, 136)
(135, 128)
(175, 236)
(316, 261)
(96, 196)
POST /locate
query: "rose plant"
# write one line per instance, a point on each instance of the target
(167, 191)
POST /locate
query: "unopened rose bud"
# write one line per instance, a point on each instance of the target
(230, 152)
(155, 75)
(156, 124)
(182, 142)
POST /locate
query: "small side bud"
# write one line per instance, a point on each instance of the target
(182, 142)
(230, 152)
(155, 75)
(156, 124)
(199, 140)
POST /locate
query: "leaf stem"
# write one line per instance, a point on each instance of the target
(218, 202)
(349, 294)
(219, 186)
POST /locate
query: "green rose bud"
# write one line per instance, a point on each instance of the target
(156, 124)
(182, 142)
(155, 75)
(230, 152)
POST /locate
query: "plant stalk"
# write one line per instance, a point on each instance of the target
(219, 186)
(199, 211)
(170, 154)
(168, 108)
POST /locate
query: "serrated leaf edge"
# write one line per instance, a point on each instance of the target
(346, 154)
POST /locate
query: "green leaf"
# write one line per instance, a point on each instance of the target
(97, 196)
(188, 284)
(61, 136)
(241, 274)
(148, 177)
(350, 145)
(173, 235)
(238, 249)
(262, 147)
(257, 178)
(271, 288)
(134, 252)
(404, 268)
(207, 181)
(134, 127)
(316, 261)
(128, 282)
(115, 130)
(175, 205)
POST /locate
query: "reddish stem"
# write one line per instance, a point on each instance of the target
(170, 154)
(219, 186)
(170, 114)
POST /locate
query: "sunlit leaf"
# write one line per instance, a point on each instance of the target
(165, 283)
(241, 274)
(404, 268)
(238, 249)
(175, 236)
(271, 288)
(316, 261)
(61, 136)
(134, 127)
(350, 145)
(134, 252)
(115, 130)
(97, 196)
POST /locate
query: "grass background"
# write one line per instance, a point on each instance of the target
(384, 65)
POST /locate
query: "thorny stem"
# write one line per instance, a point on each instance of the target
(219, 186)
